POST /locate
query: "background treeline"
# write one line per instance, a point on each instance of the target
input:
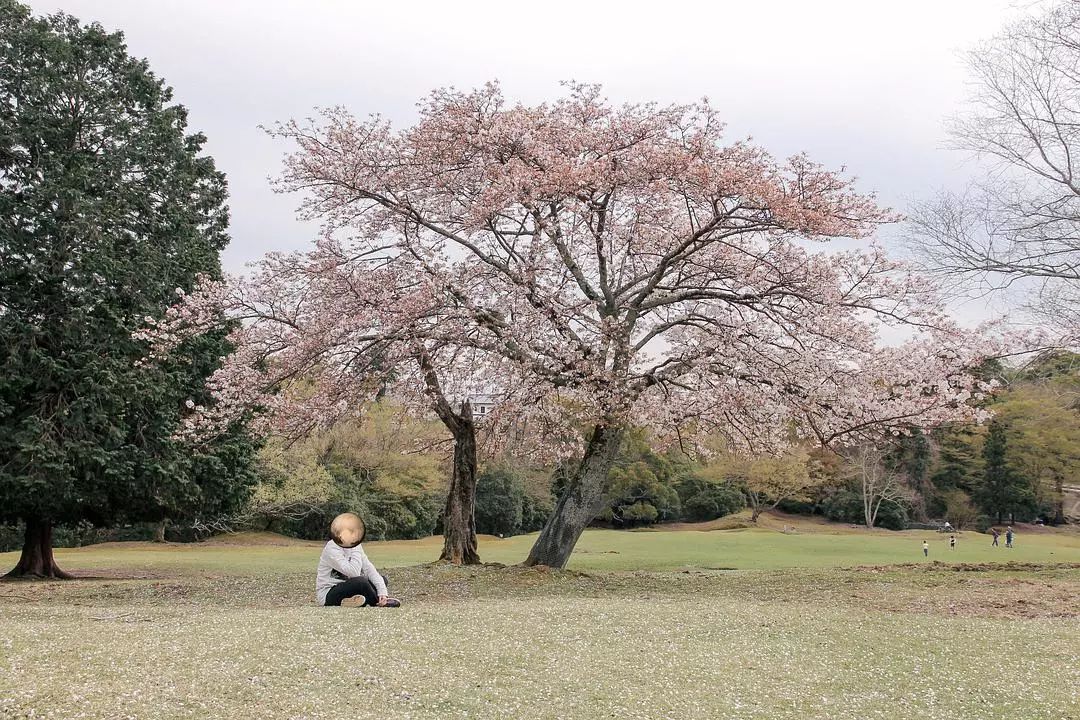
(1019, 465)
(392, 469)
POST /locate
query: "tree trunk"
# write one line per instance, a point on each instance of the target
(870, 509)
(159, 531)
(867, 505)
(756, 508)
(459, 518)
(1059, 506)
(37, 553)
(918, 505)
(580, 502)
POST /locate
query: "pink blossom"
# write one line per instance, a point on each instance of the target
(589, 264)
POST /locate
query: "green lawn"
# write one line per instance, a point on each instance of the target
(644, 629)
(608, 550)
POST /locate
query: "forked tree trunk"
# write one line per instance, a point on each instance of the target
(159, 530)
(871, 515)
(37, 553)
(459, 518)
(756, 508)
(580, 503)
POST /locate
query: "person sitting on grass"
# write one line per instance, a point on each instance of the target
(346, 577)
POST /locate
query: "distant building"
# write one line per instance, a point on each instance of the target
(481, 405)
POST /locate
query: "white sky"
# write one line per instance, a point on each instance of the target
(862, 83)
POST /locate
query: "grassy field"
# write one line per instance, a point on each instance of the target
(807, 544)
(818, 623)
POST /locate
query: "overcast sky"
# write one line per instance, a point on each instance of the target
(867, 84)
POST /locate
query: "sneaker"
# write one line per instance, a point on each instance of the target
(392, 602)
(354, 601)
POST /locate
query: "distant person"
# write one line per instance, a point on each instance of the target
(925, 549)
(947, 528)
(996, 534)
(345, 576)
(1009, 537)
(952, 542)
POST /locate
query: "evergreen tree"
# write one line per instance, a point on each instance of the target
(911, 458)
(106, 208)
(1002, 491)
(959, 458)
(500, 502)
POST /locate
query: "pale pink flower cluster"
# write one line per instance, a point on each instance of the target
(588, 264)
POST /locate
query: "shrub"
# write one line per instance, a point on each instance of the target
(84, 533)
(845, 505)
(535, 512)
(796, 507)
(387, 516)
(638, 514)
(959, 511)
(704, 500)
(402, 517)
(11, 537)
(500, 502)
(638, 496)
(891, 516)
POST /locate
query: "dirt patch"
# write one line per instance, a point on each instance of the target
(938, 566)
(84, 576)
(1005, 598)
(1013, 590)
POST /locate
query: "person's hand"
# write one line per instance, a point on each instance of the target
(382, 601)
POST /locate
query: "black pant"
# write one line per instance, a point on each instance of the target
(354, 586)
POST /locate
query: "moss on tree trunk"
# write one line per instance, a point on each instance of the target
(580, 503)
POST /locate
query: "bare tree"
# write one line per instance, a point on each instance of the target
(877, 481)
(1018, 228)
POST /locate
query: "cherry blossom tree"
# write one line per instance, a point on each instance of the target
(318, 335)
(638, 268)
